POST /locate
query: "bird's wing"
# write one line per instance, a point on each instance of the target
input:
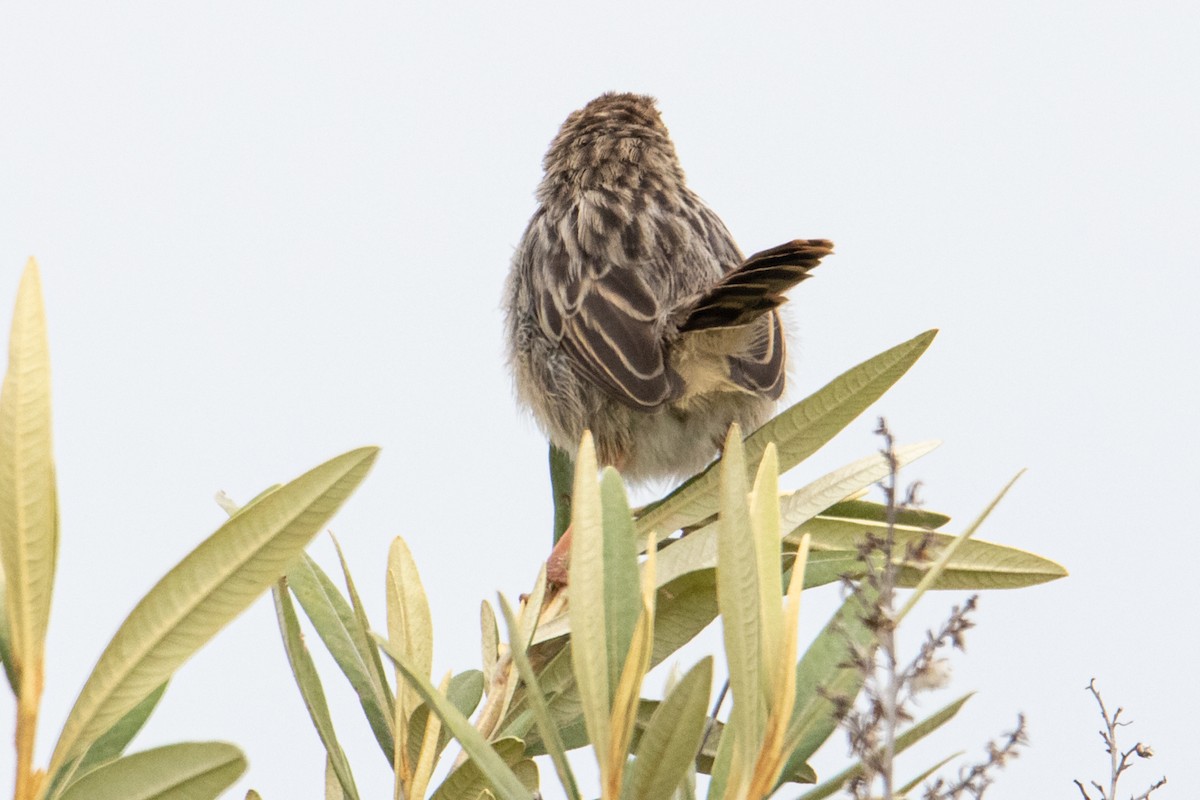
(606, 318)
(754, 287)
(741, 299)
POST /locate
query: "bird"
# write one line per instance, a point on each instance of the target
(629, 309)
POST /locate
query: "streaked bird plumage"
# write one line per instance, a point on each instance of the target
(630, 310)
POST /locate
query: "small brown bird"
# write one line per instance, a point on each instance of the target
(630, 310)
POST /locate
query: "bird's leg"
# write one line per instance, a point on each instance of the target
(559, 562)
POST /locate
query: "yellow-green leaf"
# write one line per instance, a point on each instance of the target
(28, 501)
(195, 770)
(589, 645)
(207, 589)
(537, 701)
(797, 432)
(117, 738)
(741, 621)
(668, 746)
(977, 564)
(698, 550)
(764, 523)
(410, 629)
(309, 682)
(335, 622)
(484, 755)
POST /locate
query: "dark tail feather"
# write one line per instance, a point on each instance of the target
(755, 287)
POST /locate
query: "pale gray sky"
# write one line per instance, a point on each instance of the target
(270, 233)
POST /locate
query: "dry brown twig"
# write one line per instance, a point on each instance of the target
(889, 686)
(1120, 759)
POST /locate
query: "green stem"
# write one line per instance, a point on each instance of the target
(562, 478)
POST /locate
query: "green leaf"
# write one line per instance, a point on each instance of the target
(738, 600)
(118, 737)
(877, 512)
(489, 644)
(362, 633)
(912, 784)
(335, 622)
(764, 525)
(310, 687)
(797, 432)
(823, 674)
(903, 742)
(537, 701)
(464, 693)
(333, 787)
(211, 586)
(683, 608)
(28, 497)
(6, 655)
(574, 736)
(698, 550)
(801, 506)
(589, 646)
(975, 565)
(936, 570)
(409, 621)
(487, 760)
(667, 747)
(190, 771)
(619, 571)
(467, 782)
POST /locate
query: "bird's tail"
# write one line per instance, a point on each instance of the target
(755, 287)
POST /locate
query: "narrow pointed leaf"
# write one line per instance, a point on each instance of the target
(777, 746)
(195, 771)
(117, 738)
(489, 643)
(948, 553)
(764, 523)
(738, 599)
(28, 502)
(625, 701)
(622, 602)
(333, 788)
(6, 654)
(668, 746)
(467, 781)
(824, 673)
(801, 506)
(698, 550)
(464, 693)
(211, 586)
(877, 512)
(427, 749)
(335, 622)
(798, 432)
(410, 623)
(490, 764)
(904, 741)
(309, 683)
(589, 646)
(976, 564)
(362, 631)
(912, 784)
(537, 702)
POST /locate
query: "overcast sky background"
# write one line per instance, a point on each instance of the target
(270, 233)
